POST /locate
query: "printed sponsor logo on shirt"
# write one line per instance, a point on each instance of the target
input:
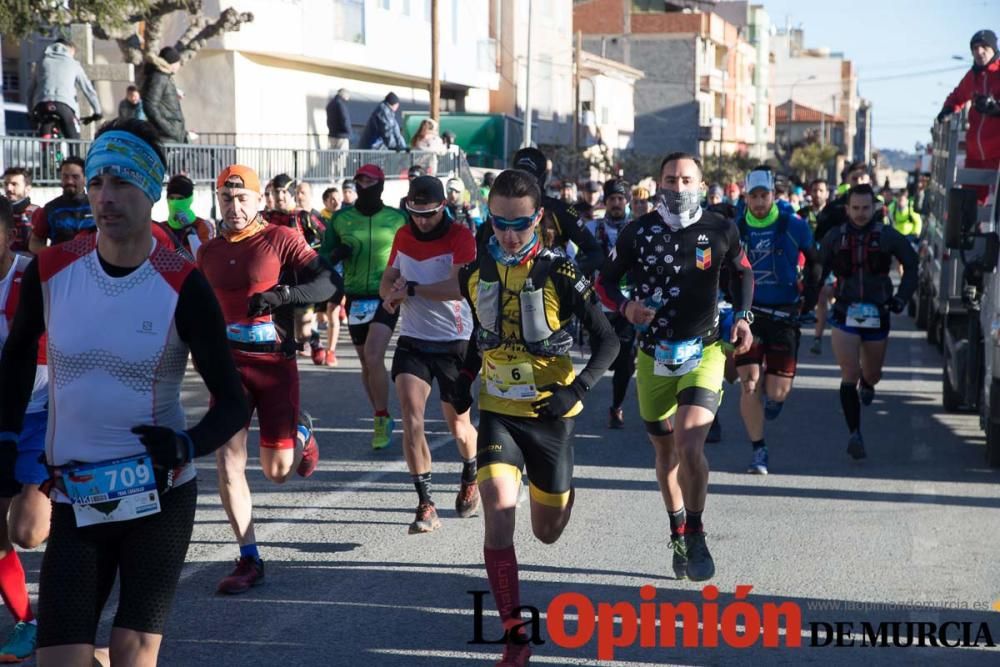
(147, 328)
(703, 258)
(582, 285)
(702, 239)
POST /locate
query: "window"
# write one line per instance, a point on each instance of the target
(385, 4)
(454, 21)
(406, 7)
(349, 21)
(427, 10)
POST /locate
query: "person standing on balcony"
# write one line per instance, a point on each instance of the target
(338, 121)
(162, 103)
(428, 139)
(382, 131)
(131, 105)
(981, 85)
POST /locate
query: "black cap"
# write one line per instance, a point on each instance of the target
(533, 161)
(591, 186)
(282, 182)
(857, 165)
(170, 54)
(987, 37)
(414, 171)
(180, 185)
(616, 187)
(425, 190)
(391, 99)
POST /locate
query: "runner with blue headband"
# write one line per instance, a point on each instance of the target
(129, 158)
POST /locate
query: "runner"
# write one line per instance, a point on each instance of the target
(25, 512)
(66, 215)
(331, 204)
(673, 255)
(185, 229)
(773, 241)
(571, 229)
(17, 187)
(288, 213)
(259, 273)
(606, 231)
(120, 312)
(434, 329)
(361, 237)
(860, 254)
(819, 195)
(524, 297)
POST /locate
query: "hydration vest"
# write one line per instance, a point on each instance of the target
(13, 298)
(536, 336)
(873, 259)
(790, 274)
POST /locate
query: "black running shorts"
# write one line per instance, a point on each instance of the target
(80, 566)
(542, 446)
(429, 361)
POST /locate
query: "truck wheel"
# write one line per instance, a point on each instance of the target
(950, 399)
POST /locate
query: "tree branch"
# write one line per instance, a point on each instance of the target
(229, 21)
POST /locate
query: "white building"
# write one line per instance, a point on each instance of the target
(607, 101)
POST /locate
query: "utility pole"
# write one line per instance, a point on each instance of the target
(527, 87)
(576, 88)
(435, 65)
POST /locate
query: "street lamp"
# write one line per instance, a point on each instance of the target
(791, 110)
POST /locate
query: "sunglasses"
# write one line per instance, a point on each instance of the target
(423, 214)
(515, 224)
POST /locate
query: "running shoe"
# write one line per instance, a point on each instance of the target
(20, 643)
(310, 450)
(680, 559)
(467, 500)
(758, 464)
(515, 654)
(249, 572)
(383, 432)
(772, 409)
(318, 354)
(616, 418)
(331, 358)
(817, 346)
(715, 431)
(866, 393)
(856, 446)
(426, 520)
(700, 566)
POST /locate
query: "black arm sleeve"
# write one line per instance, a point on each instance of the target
(20, 352)
(811, 277)
(616, 266)
(908, 257)
(740, 267)
(316, 283)
(473, 361)
(200, 324)
(576, 290)
(589, 254)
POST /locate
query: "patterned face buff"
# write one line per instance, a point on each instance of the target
(129, 158)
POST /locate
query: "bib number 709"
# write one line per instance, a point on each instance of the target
(126, 478)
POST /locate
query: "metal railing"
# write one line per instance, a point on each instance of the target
(202, 162)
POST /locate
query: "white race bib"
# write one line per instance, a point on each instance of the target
(514, 382)
(863, 316)
(110, 491)
(674, 358)
(362, 311)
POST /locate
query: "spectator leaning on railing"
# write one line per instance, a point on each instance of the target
(162, 103)
(338, 121)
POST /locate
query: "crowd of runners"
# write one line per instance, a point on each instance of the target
(103, 308)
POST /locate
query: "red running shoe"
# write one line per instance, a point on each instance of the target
(331, 358)
(516, 654)
(310, 450)
(318, 354)
(249, 572)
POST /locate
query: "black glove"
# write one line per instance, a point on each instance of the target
(896, 305)
(563, 398)
(461, 395)
(943, 114)
(986, 105)
(8, 458)
(262, 303)
(168, 448)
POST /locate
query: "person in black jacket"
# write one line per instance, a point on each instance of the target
(382, 131)
(161, 103)
(338, 121)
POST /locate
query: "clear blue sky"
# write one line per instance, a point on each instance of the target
(895, 37)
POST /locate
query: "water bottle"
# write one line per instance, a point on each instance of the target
(654, 302)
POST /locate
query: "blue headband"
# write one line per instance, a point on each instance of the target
(128, 157)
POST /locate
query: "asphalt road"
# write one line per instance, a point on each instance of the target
(909, 535)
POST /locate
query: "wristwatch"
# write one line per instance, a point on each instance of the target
(743, 315)
(411, 288)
